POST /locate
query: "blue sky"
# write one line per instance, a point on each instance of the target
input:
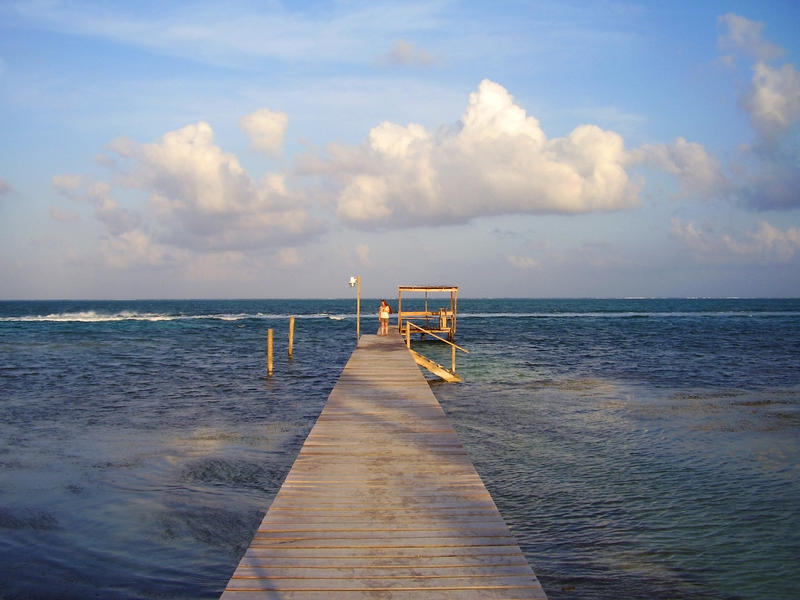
(268, 149)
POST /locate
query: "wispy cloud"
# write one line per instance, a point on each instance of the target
(773, 100)
(364, 254)
(763, 244)
(522, 262)
(699, 173)
(767, 174)
(236, 33)
(64, 216)
(289, 257)
(406, 54)
(98, 194)
(742, 35)
(610, 116)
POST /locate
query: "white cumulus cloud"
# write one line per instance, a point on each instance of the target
(201, 197)
(498, 160)
(266, 130)
(189, 205)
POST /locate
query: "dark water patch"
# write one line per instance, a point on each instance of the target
(631, 584)
(28, 518)
(75, 489)
(222, 471)
(584, 386)
(707, 394)
(767, 402)
(227, 531)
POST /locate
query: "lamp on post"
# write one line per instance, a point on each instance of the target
(355, 281)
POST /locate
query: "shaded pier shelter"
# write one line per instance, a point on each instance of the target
(434, 322)
(441, 319)
(382, 502)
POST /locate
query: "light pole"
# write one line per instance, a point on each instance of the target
(355, 280)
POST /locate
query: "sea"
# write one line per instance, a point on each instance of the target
(637, 448)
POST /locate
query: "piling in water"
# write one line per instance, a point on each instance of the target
(269, 352)
(291, 336)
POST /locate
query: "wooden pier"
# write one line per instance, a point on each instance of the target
(382, 502)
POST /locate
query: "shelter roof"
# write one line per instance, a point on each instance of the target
(427, 288)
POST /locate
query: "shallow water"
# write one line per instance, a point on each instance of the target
(653, 456)
(637, 448)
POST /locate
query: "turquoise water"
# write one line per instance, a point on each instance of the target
(637, 448)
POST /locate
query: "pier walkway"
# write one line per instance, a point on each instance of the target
(382, 502)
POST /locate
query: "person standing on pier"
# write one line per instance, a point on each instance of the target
(383, 316)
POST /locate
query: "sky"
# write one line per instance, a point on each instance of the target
(516, 149)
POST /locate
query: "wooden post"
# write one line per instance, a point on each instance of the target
(453, 349)
(291, 335)
(358, 310)
(399, 310)
(408, 336)
(355, 280)
(269, 352)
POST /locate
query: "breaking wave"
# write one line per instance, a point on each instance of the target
(91, 316)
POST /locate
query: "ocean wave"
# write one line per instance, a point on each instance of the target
(91, 316)
(103, 316)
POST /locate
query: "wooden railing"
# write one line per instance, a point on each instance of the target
(453, 347)
(441, 320)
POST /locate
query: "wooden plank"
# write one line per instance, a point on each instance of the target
(375, 562)
(389, 594)
(435, 368)
(382, 502)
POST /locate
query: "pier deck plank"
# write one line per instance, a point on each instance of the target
(382, 502)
